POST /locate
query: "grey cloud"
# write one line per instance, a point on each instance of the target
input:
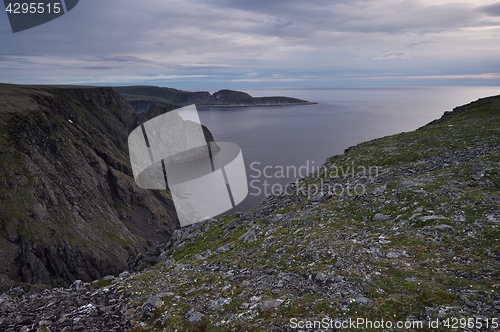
(97, 67)
(420, 43)
(227, 39)
(491, 10)
(366, 16)
(201, 26)
(394, 55)
(121, 58)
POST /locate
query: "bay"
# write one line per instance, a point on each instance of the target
(302, 137)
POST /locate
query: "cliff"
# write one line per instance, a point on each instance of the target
(69, 207)
(404, 229)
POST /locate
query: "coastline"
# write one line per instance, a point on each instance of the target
(223, 98)
(259, 105)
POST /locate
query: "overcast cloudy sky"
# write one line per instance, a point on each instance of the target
(235, 43)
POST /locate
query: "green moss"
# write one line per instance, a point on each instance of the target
(101, 283)
(289, 208)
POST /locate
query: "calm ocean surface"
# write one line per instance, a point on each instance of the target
(306, 135)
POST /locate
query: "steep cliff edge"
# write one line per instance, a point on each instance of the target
(400, 229)
(403, 229)
(69, 206)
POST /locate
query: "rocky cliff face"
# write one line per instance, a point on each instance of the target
(69, 206)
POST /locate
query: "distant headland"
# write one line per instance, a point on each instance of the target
(143, 97)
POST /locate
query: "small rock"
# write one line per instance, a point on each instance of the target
(363, 300)
(413, 216)
(320, 197)
(210, 220)
(379, 190)
(168, 260)
(4, 299)
(86, 309)
(233, 224)
(193, 236)
(321, 277)
(106, 309)
(124, 274)
(194, 316)
(150, 306)
(266, 305)
(443, 228)
(249, 236)
(492, 218)
(176, 236)
(219, 303)
(224, 248)
(76, 285)
(254, 299)
(381, 217)
(433, 217)
(179, 267)
(272, 230)
(392, 254)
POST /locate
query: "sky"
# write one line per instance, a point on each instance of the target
(196, 44)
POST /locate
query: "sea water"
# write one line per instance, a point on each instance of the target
(281, 144)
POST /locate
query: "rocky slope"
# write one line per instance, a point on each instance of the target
(411, 234)
(69, 208)
(141, 98)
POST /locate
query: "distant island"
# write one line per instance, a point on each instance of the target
(141, 98)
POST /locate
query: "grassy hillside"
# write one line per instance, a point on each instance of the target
(420, 242)
(410, 236)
